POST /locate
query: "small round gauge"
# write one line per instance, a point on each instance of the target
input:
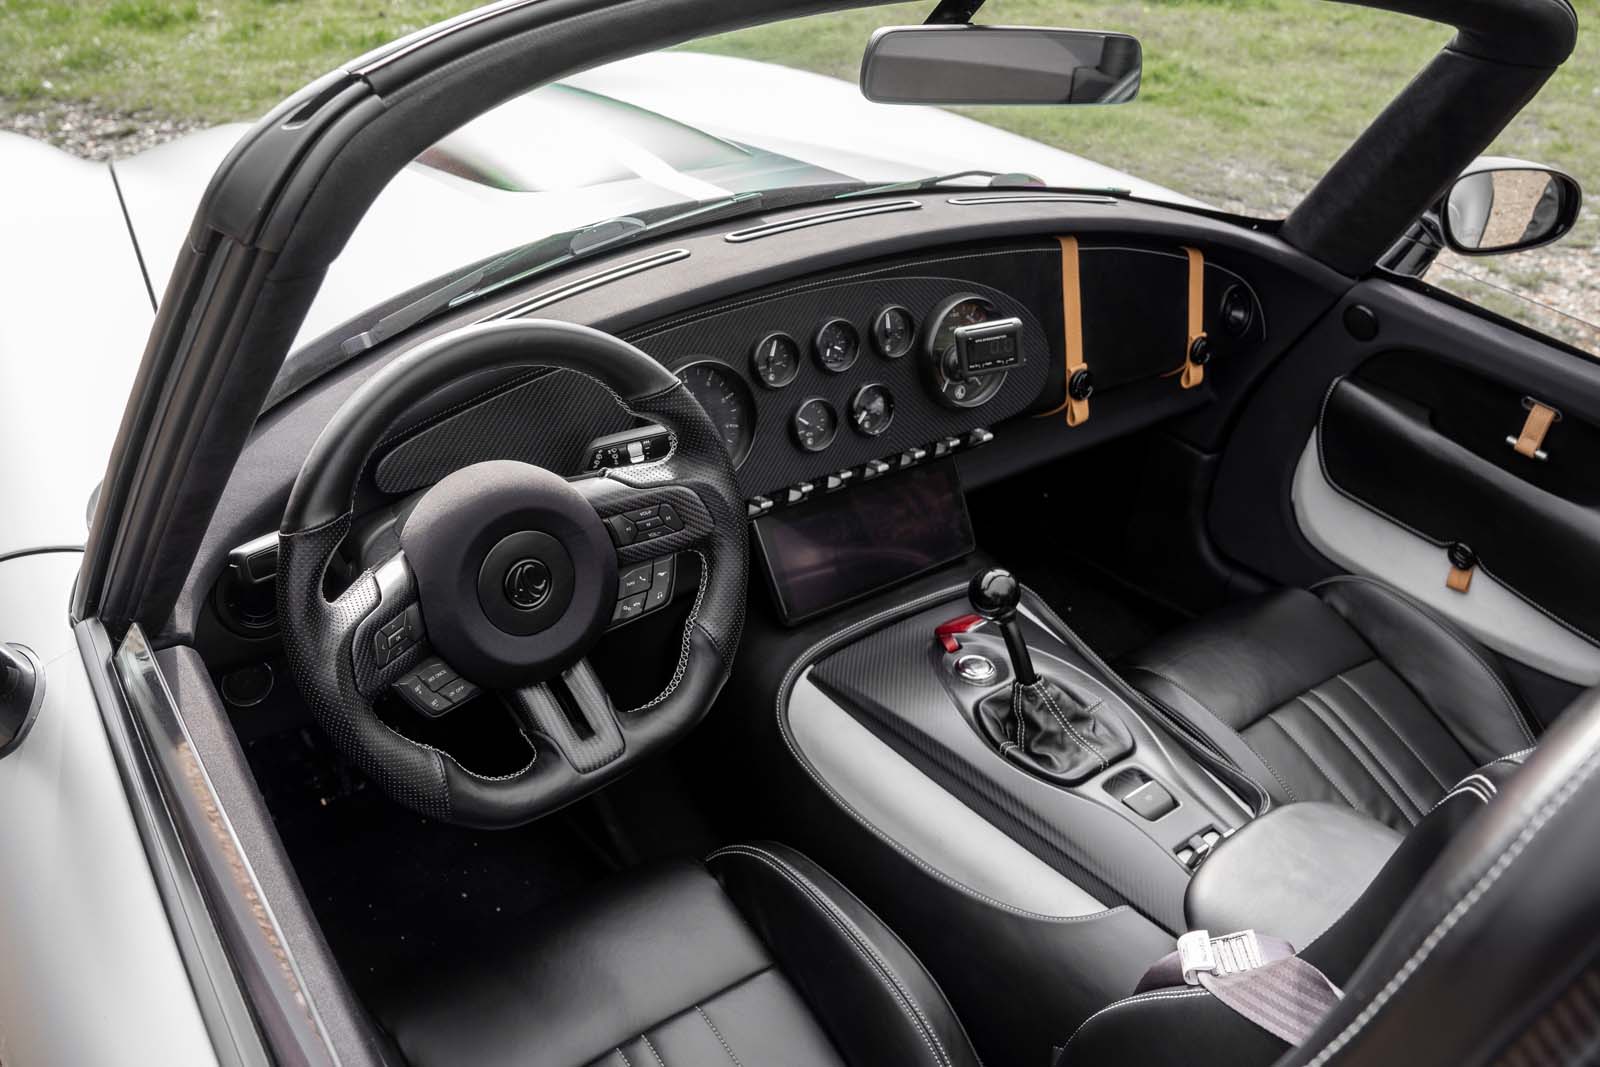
(837, 344)
(893, 332)
(776, 360)
(816, 423)
(727, 401)
(944, 367)
(872, 409)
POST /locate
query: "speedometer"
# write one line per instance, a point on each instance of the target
(728, 403)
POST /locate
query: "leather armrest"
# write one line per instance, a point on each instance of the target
(1290, 873)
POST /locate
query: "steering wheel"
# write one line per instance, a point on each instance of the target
(509, 573)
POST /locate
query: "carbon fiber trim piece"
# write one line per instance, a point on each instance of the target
(531, 422)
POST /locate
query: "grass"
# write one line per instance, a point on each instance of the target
(1244, 102)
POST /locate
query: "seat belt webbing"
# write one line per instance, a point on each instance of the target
(1256, 976)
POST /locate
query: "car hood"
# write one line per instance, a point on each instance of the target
(621, 138)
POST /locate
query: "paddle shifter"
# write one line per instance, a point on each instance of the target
(1040, 723)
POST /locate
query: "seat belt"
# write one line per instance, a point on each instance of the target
(1256, 976)
(1079, 384)
(1198, 352)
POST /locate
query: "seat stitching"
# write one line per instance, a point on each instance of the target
(1315, 762)
(1512, 852)
(659, 1061)
(1137, 998)
(1448, 630)
(857, 940)
(1401, 802)
(720, 1039)
(625, 1061)
(1236, 733)
(1463, 790)
(1375, 750)
(1392, 728)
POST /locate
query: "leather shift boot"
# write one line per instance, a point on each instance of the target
(1044, 729)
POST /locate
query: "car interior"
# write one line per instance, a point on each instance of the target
(873, 631)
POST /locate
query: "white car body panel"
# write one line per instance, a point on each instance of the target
(76, 316)
(66, 238)
(89, 970)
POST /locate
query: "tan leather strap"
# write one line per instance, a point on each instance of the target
(1534, 427)
(1072, 330)
(1194, 373)
(1459, 578)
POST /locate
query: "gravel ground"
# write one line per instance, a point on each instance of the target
(93, 133)
(1555, 289)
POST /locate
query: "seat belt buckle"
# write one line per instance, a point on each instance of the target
(1200, 953)
(1195, 956)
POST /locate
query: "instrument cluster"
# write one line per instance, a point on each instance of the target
(965, 348)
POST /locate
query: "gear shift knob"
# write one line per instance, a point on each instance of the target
(995, 594)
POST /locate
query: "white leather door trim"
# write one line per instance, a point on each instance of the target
(1363, 542)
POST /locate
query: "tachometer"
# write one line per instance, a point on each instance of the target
(727, 401)
(816, 423)
(956, 382)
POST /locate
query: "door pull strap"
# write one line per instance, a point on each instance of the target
(1462, 563)
(1198, 352)
(1079, 384)
(1530, 442)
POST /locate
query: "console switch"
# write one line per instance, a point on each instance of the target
(1150, 801)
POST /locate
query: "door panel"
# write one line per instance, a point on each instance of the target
(1386, 451)
(1373, 453)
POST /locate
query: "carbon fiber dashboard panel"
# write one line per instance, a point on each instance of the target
(897, 682)
(1134, 329)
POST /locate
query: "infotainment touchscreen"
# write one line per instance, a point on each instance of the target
(845, 545)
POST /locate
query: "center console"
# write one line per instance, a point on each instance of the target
(1106, 800)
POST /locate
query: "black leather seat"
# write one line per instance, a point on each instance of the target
(756, 958)
(1352, 693)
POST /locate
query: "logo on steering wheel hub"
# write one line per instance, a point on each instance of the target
(527, 584)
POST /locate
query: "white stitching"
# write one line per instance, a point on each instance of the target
(1551, 808)
(1392, 728)
(1312, 756)
(1137, 998)
(625, 1061)
(646, 1039)
(1403, 803)
(1448, 629)
(720, 1039)
(688, 630)
(858, 941)
(1055, 710)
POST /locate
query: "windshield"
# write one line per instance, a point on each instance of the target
(1243, 124)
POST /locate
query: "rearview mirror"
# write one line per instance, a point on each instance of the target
(999, 65)
(1506, 205)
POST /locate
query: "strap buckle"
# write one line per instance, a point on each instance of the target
(1200, 953)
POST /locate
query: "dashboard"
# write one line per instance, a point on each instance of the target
(892, 350)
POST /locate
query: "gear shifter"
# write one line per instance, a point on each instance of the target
(995, 594)
(1041, 724)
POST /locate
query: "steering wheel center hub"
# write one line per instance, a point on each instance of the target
(515, 571)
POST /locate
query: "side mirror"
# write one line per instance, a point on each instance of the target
(964, 64)
(1506, 205)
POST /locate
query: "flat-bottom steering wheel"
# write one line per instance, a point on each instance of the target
(509, 573)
